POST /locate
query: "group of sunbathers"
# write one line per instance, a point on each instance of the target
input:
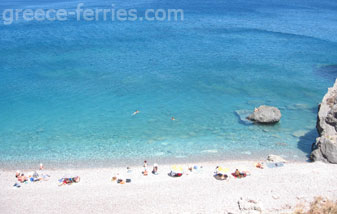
(35, 176)
(221, 173)
(176, 171)
(30, 177)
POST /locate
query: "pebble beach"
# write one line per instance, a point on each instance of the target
(275, 190)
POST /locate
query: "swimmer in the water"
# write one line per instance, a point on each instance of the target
(136, 112)
(172, 118)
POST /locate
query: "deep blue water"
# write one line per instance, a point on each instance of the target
(68, 89)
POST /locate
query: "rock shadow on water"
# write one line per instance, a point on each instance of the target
(314, 110)
(305, 142)
(327, 71)
(242, 117)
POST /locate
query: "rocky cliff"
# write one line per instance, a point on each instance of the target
(325, 147)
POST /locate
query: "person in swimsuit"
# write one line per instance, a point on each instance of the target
(21, 177)
(70, 180)
(155, 169)
(145, 173)
(239, 174)
(136, 112)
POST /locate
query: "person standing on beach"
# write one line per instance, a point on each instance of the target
(145, 168)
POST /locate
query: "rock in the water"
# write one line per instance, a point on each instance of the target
(276, 159)
(248, 206)
(265, 114)
(325, 147)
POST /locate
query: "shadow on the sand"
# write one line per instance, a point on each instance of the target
(305, 142)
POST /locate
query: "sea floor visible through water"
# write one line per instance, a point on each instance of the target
(68, 89)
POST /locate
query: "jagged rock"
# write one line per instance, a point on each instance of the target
(248, 206)
(276, 159)
(266, 115)
(325, 147)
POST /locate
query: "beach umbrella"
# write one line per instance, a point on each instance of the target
(177, 169)
(222, 170)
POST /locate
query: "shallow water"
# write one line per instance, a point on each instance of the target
(68, 89)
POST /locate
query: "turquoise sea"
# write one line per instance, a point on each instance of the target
(68, 89)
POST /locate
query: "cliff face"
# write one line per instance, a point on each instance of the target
(325, 147)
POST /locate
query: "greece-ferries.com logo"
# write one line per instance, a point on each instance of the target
(80, 13)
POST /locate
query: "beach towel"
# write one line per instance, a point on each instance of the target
(242, 175)
(274, 165)
(17, 185)
(220, 177)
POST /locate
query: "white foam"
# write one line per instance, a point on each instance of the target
(210, 151)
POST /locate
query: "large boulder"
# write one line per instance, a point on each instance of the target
(265, 114)
(325, 147)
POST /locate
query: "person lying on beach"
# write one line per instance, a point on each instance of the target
(220, 173)
(173, 174)
(221, 176)
(120, 179)
(69, 181)
(17, 174)
(34, 176)
(155, 169)
(176, 171)
(238, 174)
(33, 179)
(21, 177)
(259, 165)
(136, 112)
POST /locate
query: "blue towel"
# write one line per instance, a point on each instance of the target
(273, 165)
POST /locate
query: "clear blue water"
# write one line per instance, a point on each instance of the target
(68, 89)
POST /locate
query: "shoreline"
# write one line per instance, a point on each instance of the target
(104, 164)
(276, 189)
(163, 160)
(138, 164)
